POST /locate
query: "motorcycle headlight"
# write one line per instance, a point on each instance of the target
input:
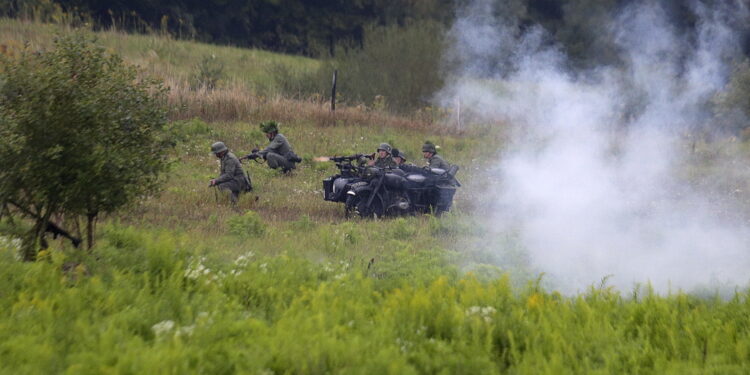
(351, 192)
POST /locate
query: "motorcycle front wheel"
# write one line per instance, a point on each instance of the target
(357, 204)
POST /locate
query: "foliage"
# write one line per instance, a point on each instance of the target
(399, 67)
(162, 309)
(733, 104)
(248, 225)
(207, 74)
(80, 132)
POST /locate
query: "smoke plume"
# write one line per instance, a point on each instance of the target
(597, 180)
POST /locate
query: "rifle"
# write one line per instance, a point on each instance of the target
(51, 227)
(253, 155)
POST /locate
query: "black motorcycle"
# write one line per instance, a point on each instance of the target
(335, 187)
(378, 192)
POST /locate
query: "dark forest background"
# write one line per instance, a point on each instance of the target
(316, 27)
(390, 53)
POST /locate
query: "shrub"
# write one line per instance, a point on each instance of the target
(86, 125)
(248, 225)
(207, 74)
(398, 67)
(403, 229)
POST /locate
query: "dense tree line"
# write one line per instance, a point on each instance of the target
(316, 27)
(371, 42)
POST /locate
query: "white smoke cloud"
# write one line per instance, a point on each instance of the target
(592, 182)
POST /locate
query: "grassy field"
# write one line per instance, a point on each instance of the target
(180, 284)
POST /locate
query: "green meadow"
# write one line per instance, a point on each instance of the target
(181, 282)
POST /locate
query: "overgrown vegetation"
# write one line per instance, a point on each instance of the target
(181, 284)
(733, 104)
(153, 304)
(80, 135)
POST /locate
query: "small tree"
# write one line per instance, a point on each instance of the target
(80, 134)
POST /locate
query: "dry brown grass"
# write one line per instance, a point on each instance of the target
(237, 103)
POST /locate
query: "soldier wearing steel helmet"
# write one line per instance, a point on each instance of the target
(445, 192)
(278, 153)
(399, 157)
(429, 151)
(382, 157)
(232, 177)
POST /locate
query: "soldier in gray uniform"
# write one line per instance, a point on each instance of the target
(232, 177)
(444, 199)
(382, 158)
(278, 153)
(400, 158)
(429, 151)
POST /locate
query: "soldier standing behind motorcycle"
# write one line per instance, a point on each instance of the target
(278, 153)
(445, 192)
(232, 178)
(400, 158)
(382, 158)
(429, 151)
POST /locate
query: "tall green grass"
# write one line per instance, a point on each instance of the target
(151, 303)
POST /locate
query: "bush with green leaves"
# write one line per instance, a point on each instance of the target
(80, 134)
(207, 74)
(399, 66)
(248, 225)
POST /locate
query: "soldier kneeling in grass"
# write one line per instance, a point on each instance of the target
(278, 153)
(232, 178)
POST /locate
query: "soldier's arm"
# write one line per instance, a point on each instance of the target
(227, 173)
(273, 146)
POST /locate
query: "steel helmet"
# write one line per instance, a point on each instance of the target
(396, 153)
(385, 147)
(218, 147)
(429, 147)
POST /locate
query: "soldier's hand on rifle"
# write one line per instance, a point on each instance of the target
(212, 182)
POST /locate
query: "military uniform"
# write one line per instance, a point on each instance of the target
(232, 176)
(400, 154)
(386, 162)
(437, 162)
(279, 153)
(445, 192)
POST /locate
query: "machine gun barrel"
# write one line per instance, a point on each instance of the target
(340, 159)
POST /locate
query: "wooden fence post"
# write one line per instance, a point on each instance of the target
(333, 90)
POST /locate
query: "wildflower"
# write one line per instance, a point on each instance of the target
(485, 313)
(162, 327)
(185, 331)
(196, 269)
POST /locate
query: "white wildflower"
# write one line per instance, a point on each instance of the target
(244, 259)
(185, 331)
(196, 269)
(12, 244)
(162, 327)
(485, 313)
(327, 267)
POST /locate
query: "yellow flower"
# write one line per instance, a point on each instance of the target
(534, 301)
